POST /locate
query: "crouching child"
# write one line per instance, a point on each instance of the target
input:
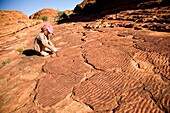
(42, 42)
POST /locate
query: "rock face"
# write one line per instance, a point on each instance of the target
(14, 21)
(10, 20)
(156, 19)
(68, 12)
(116, 64)
(105, 70)
(11, 17)
(86, 4)
(93, 6)
(50, 13)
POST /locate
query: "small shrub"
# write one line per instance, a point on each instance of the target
(18, 36)
(20, 50)
(20, 21)
(5, 63)
(62, 15)
(44, 18)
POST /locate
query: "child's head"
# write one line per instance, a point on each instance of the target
(47, 29)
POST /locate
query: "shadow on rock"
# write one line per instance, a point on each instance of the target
(30, 52)
(87, 11)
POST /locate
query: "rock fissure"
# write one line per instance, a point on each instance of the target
(88, 63)
(119, 103)
(18, 108)
(120, 63)
(36, 90)
(155, 100)
(91, 107)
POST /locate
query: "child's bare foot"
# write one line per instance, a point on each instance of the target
(43, 53)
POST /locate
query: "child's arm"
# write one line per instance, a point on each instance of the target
(50, 42)
(46, 44)
(55, 49)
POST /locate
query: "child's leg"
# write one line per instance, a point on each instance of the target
(43, 52)
(48, 50)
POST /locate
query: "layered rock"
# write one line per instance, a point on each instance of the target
(84, 6)
(111, 65)
(11, 17)
(68, 12)
(156, 19)
(12, 21)
(91, 6)
(105, 70)
(50, 13)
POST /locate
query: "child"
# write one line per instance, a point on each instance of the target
(42, 41)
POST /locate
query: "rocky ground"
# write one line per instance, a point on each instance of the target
(12, 21)
(104, 69)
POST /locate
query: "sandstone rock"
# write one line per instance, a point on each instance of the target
(129, 25)
(86, 4)
(91, 6)
(11, 17)
(101, 69)
(97, 70)
(68, 12)
(50, 13)
(14, 21)
(159, 27)
(137, 28)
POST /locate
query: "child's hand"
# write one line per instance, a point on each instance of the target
(56, 49)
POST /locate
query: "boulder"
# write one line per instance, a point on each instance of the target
(12, 21)
(11, 17)
(48, 12)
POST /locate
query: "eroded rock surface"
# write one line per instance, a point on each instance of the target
(111, 6)
(98, 69)
(44, 12)
(12, 21)
(155, 19)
